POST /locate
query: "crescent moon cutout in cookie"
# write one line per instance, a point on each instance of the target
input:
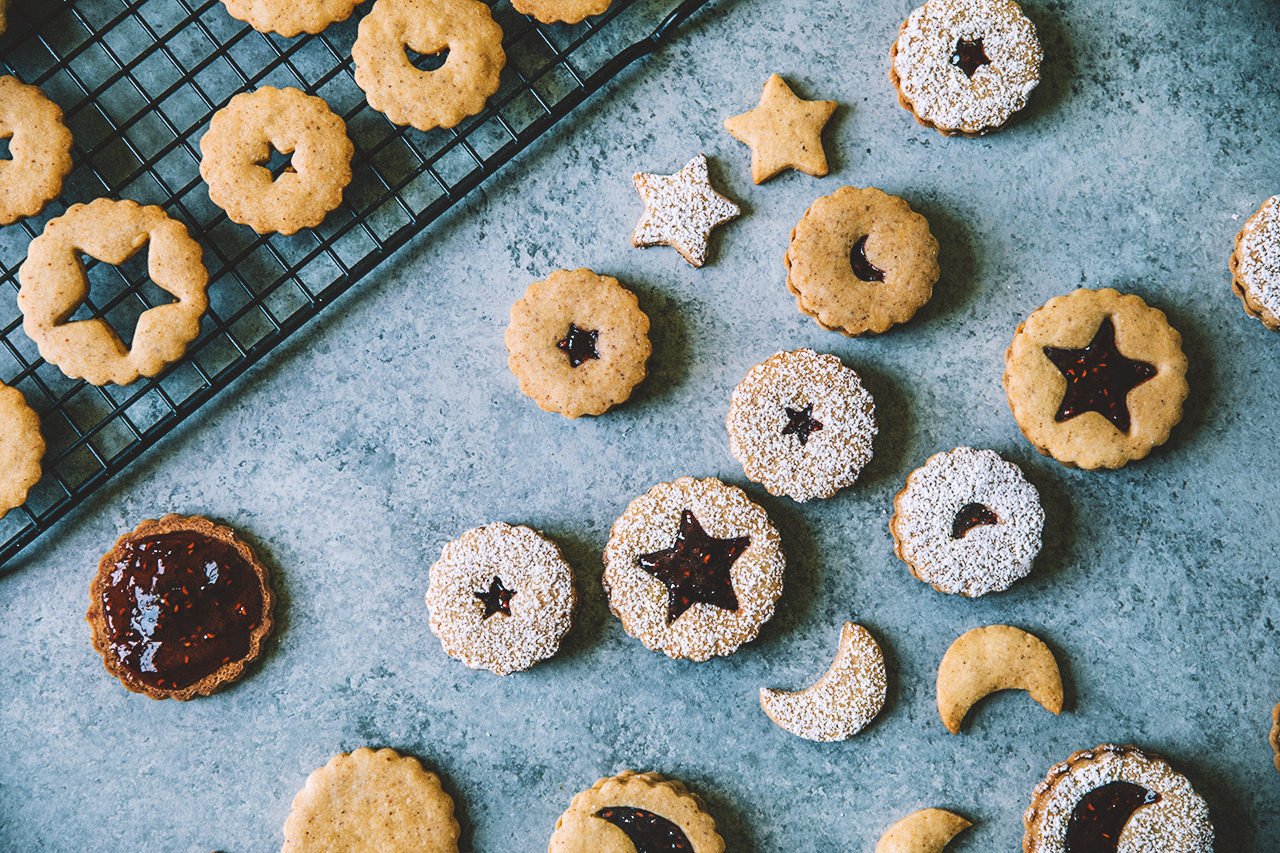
(925, 831)
(1101, 815)
(649, 832)
(997, 657)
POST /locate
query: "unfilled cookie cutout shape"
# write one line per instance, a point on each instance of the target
(784, 132)
(1255, 264)
(371, 801)
(39, 149)
(561, 11)
(578, 343)
(860, 261)
(54, 285)
(21, 449)
(290, 17)
(501, 598)
(843, 701)
(681, 211)
(636, 813)
(925, 831)
(1116, 799)
(997, 657)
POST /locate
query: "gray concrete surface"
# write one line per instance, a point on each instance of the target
(393, 425)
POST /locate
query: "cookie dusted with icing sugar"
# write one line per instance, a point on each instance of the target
(1255, 264)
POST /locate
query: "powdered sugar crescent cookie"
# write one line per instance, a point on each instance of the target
(1116, 798)
(802, 425)
(693, 568)
(681, 210)
(925, 831)
(843, 701)
(967, 522)
(39, 148)
(290, 17)
(636, 813)
(371, 802)
(501, 598)
(561, 11)
(997, 657)
(1255, 264)
(21, 448)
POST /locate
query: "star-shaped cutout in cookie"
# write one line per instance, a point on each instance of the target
(801, 423)
(696, 568)
(496, 599)
(1099, 378)
(784, 132)
(681, 211)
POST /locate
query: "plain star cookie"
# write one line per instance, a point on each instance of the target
(21, 449)
(371, 802)
(636, 813)
(561, 11)
(290, 17)
(802, 425)
(693, 568)
(783, 132)
(39, 149)
(1255, 264)
(996, 657)
(967, 522)
(501, 598)
(681, 210)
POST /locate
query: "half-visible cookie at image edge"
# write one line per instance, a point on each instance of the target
(784, 131)
(1275, 734)
(22, 448)
(289, 18)
(923, 831)
(561, 11)
(641, 812)
(1255, 264)
(39, 149)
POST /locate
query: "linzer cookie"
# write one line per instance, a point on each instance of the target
(783, 132)
(179, 607)
(681, 211)
(501, 598)
(967, 522)
(860, 261)
(1096, 378)
(636, 813)
(39, 149)
(1255, 264)
(21, 448)
(693, 568)
(290, 17)
(966, 66)
(1116, 798)
(802, 425)
(561, 11)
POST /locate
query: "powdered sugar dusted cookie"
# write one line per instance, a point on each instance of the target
(802, 424)
(681, 211)
(1116, 798)
(967, 522)
(501, 598)
(693, 568)
(21, 448)
(1255, 264)
(640, 812)
(843, 701)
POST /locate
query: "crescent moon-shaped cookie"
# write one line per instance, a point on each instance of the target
(840, 703)
(997, 657)
(925, 831)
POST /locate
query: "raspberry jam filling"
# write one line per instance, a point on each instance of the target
(496, 599)
(971, 516)
(801, 423)
(1101, 815)
(696, 568)
(863, 268)
(1099, 378)
(969, 56)
(579, 345)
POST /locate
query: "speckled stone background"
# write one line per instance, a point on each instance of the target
(393, 425)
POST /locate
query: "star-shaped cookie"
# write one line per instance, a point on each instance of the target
(784, 132)
(681, 210)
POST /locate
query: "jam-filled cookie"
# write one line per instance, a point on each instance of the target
(681, 211)
(1255, 264)
(967, 522)
(21, 448)
(501, 598)
(578, 343)
(636, 813)
(802, 424)
(561, 11)
(39, 149)
(1116, 798)
(860, 261)
(1096, 378)
(179, 607)
(693, 568)
(966, 66)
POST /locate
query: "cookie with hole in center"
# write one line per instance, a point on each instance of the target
(39, 148)
(21, 448)
(636, 813)
(290, 17)
(561, 11)
(1255, 264)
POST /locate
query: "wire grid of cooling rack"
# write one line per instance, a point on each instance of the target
(138, 81)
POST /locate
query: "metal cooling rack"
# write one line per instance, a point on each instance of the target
(138, 81)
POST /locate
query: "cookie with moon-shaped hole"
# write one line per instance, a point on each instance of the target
(993, 658)
(1116, 799)
(843, 701)
(924, 831)
(636, 813)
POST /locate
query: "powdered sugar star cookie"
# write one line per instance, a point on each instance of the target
(681, 210)
(783, 132)
(1255, 264)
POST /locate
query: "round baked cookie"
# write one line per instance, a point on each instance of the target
(965, 66)
(290, 17)
(1255, 264)
(54, 285)
(561, 11)
(1116, 798)
(179, 607)
(1096, 378)
(240, 139)
(802, 425)
(693, 568)
(636, 813)
(967, 522)
(371, 801)
(501, 598)
(39, 149)
(578, 343)
(429, 99)
(860, 261)
(1274, 738)
(21, 448)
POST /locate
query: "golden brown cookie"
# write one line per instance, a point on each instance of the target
(861, 260)
(371, 802)
(54, 285)
(240, 140)
(561, 11)
(997, 657)
(1096, 378)
(290, 17)
(1275, 734)
(429, 99)
(634, 812)
(39, 149)
(578, 343)
(783, 132)
(21, 448)
(925, 831)
(681, 211)
(179, 607)
(1255, 264)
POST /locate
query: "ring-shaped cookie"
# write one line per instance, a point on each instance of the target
(429, 99)
(561, 11)
(21, 448)
(290, 17)
(39, 150)
(54, 284)
(240, 139)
